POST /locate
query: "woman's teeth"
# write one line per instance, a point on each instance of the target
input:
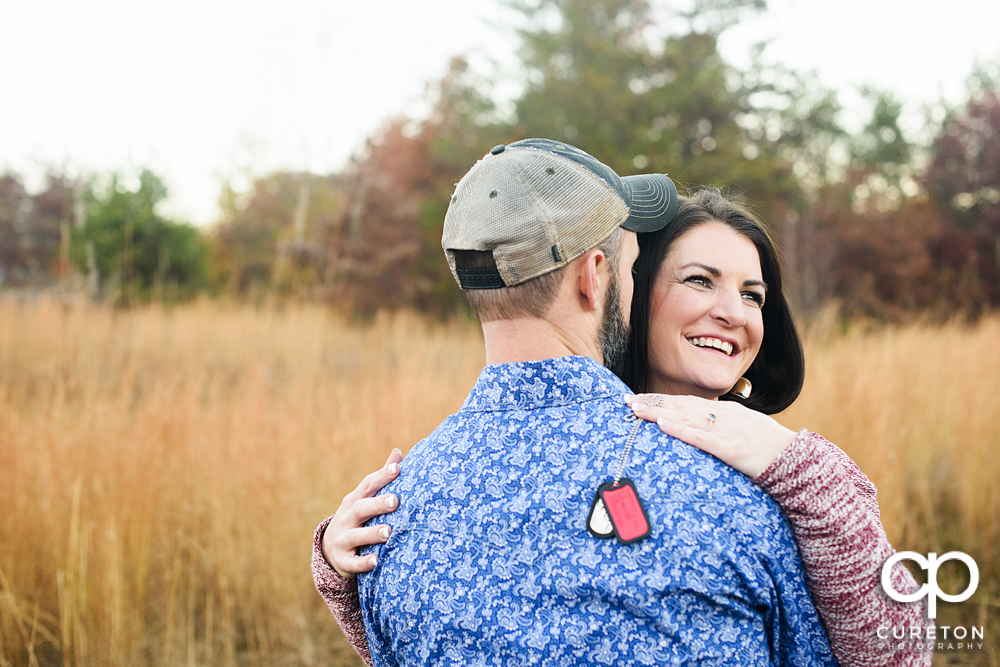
(721, 345)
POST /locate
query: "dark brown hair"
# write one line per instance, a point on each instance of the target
(779, 369)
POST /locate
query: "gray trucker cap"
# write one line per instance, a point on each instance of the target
(538, 204)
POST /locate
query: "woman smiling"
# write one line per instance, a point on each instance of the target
(711, 329)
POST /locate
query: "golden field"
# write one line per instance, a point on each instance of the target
(161, 471)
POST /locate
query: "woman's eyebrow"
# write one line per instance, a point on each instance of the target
(711, 269)
(716, 272)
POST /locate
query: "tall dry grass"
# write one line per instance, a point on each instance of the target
(161, 472)
(918, 408)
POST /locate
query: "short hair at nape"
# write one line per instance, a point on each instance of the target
(532, 298)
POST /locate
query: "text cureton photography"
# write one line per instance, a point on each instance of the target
(921, 638)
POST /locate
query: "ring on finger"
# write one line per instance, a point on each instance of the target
(711, 422)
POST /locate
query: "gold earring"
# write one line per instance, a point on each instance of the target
(742, 388)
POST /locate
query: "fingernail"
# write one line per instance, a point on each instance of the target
(390, 502)
(393, 468)
(638, 407)
(373, 561)
(384, 532)
(397, 450)
(629, 398)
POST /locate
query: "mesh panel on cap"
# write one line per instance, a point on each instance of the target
(532, 211)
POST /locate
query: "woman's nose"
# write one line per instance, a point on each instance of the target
(729, 308)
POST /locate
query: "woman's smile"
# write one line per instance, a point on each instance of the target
(706, 325)
(711, 343)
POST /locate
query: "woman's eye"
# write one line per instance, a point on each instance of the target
(704, 281)
(754, 297)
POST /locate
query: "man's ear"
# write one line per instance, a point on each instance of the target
(589, 279)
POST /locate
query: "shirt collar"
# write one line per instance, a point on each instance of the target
(525, 385)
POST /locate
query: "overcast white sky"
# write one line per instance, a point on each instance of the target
(205, 90)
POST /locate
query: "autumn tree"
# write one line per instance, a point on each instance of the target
(855, 221)
(963, 179)
(275, 236)
(385, 248)
(31, 228)
(870, 231)
(894, 243)
(13, 201)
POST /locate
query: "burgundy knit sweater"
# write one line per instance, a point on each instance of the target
(834, 515)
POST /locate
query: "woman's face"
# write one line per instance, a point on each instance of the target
(705, 325)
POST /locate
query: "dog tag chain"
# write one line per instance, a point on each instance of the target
(617, 510)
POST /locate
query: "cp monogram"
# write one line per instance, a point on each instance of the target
(931, 564)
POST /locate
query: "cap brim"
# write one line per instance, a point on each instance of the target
(654, 202)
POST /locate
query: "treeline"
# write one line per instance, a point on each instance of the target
(101, 234)
(882, 223)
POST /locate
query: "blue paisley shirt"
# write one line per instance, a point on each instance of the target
(490, 561)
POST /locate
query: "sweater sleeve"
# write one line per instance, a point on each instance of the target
(341, 595)
(832, 507)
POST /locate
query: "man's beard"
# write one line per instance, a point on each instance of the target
(613, 337)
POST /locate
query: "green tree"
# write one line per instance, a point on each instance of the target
(670, 105)
(133, 252)
(674, 105)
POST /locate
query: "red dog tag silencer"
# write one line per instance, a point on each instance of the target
(625, 510)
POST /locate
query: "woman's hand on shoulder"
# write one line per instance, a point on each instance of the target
(345, 532)
(744, 439)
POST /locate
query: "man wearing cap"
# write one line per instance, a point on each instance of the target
(498, 553)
